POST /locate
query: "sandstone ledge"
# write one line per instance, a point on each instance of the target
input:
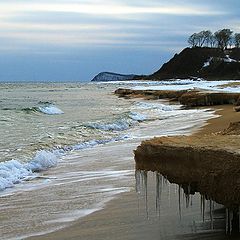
(210, 164)
(189, 98)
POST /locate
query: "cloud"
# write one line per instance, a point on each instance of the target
(59, 27)
(114, 9)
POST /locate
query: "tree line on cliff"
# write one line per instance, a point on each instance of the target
(223, 39)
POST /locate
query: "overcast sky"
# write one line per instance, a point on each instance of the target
(73, 40)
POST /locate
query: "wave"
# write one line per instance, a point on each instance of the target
(158, 106)
(117, 125)
(130, 120)
(137, 116)
(13, 171)
(93, 143)
(50, 110)
(30, 110)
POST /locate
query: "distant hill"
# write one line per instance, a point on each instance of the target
(208, 63)
(109, 76)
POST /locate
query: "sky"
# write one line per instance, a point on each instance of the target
(73, 40)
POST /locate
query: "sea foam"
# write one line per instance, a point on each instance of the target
(137, 116)
(13, 171)
(157, 106)
(50, 110)
(117, 125)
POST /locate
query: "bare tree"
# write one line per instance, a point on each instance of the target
(193, 40)
(223, 37)
(203, 38)
(207, 35)
(212, 41)
(237, 40)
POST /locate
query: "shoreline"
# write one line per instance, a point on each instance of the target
(105, 223)
(226, 115)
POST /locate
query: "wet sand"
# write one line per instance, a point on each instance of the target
(127, 217)
(227, 115)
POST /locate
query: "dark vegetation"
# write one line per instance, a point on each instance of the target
(212, 56)
(223, 39)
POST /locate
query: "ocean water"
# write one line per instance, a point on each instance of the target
(67, 149)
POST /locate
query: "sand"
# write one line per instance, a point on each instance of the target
(226, 115)
(126, 218)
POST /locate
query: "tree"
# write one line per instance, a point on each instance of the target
(223, 37)
(237, 40)
(193, 40)
(207, 36)
(212, 41)
(200, 39)
(203, 38)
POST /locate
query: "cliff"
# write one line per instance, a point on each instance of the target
(108, 76)
(189, 98)
(208, 164)
(208, 63)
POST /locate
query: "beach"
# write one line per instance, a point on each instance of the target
(126, 218)
(74, 171)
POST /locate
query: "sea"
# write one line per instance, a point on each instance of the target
(66, 149)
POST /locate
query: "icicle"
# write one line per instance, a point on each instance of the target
(187, 196)
(239, 219)
(169, 194)
(138, 181)
(175, 188)
(230, 220)
(203, 207)
(211, 213)
(227, 219)
(142, 178)
(203, 211)
(158, 192)
(179, 203)
(162, 181)
(138, 187)
(146, 191)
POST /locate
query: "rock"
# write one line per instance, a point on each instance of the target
(237, 109)
(189, 98)
(108, 76)
(157, 94)
(203, 162)
(238, 102)
(233, 129)
(198, 98)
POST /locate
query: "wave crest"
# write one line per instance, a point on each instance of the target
(50, 110)
(13, 171)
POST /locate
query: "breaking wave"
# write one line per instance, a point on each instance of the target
(50, 110)
(117, 125)
(45, 107)
(130, 120)
(13, 172)
(137, 116)
(158, 106)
